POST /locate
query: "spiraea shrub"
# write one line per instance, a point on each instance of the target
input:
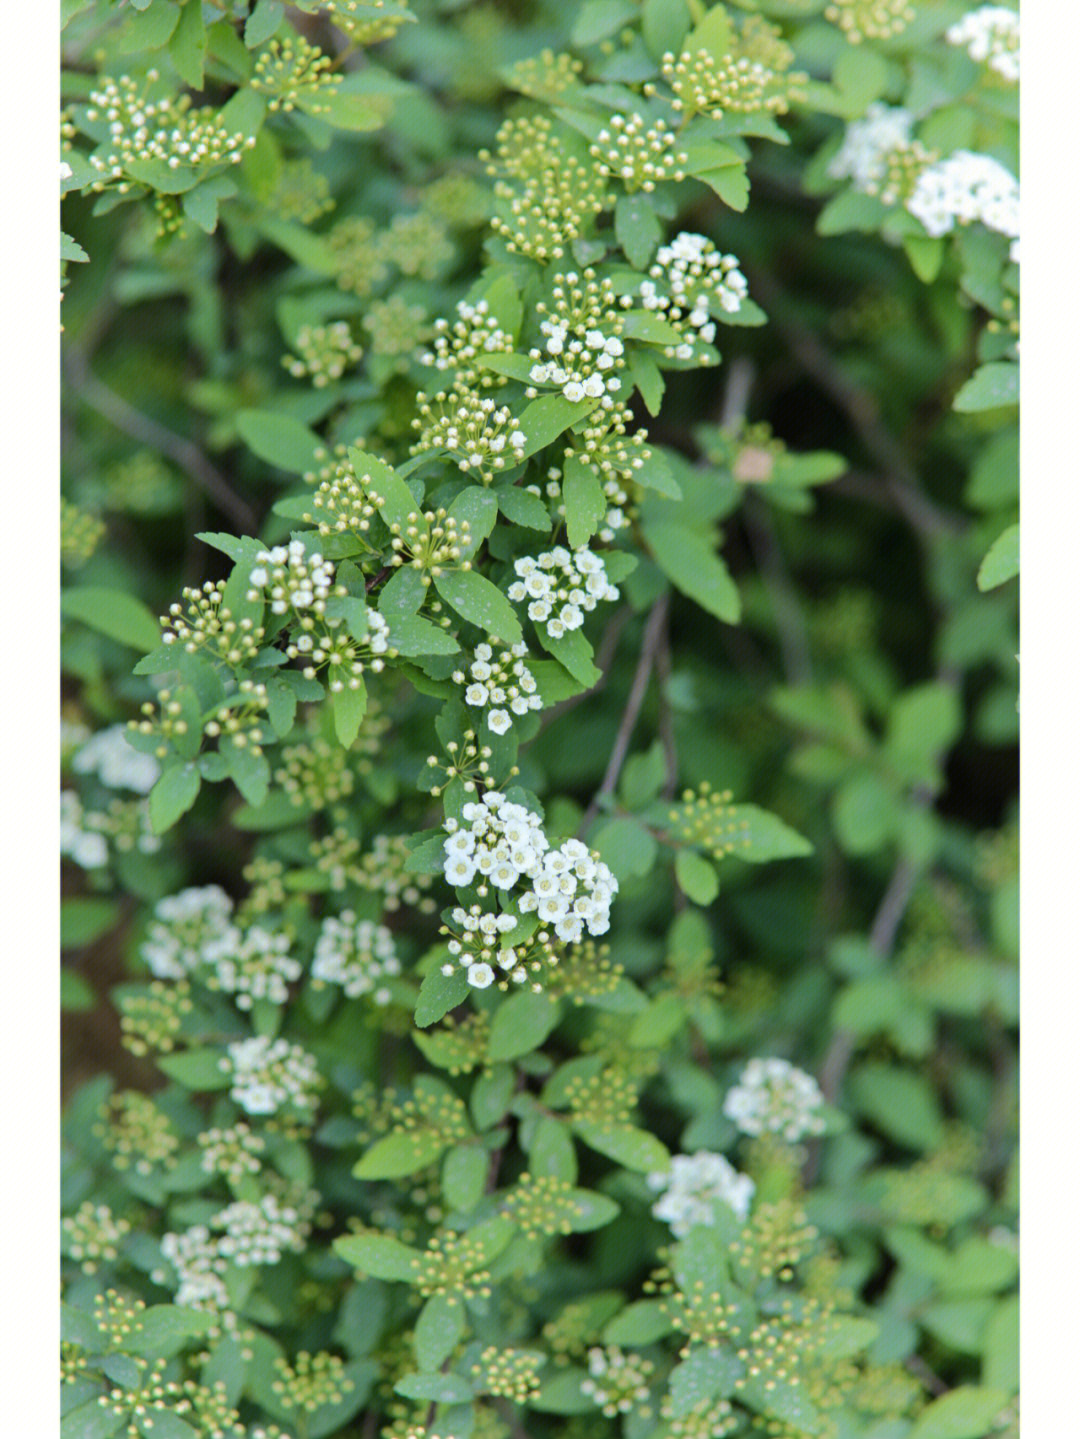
(539, 707)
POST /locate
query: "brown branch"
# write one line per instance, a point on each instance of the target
(650, 644)
(183, 452)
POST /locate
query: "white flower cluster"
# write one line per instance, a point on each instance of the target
(965, 187)
(585, 354)
(199, 1266)
(991, 33)
(773, 1097)
(325, 353)
(88, 848)
(259, 1232)
(293, 578)
(569, 888)
(617, 1381)
(474, 333)
(693, 1187)
(695, 272)
(356, 954)
(561, 587)
(638, 156)
(483, 933)
(108, 755)
(191, 928)
(257, 966)
(502, 684)
(863, 156)
(268, 1074)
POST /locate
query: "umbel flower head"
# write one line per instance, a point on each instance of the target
(990, 34)
(357, 954)
(561, 588)
(108, 755)
(582, 329)
(693, 1187)
(500, 683)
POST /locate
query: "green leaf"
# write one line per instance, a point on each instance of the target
(991, 387)
(705, 1374)
(114, 613)
(923, 725)
(439, 1326)
(439, 993)
(521, 1024)
(347, 112)
(899, 1102)
(544, 420)
(403, 594)
(689, 559)
(574, 653)
(597, 19)
(250, 772)
(464, 1174)
(562, 1395)
(76, 992)
(188, 44)
(1001, 1346)
(730, 183)
(860, 75)
(626, 847)
(263, 22)
(865, 813)
(378, 1256)
(198, 1069)
(90, 1421)
(696, 877)
(1002, 560)
(968, 1412)
(643, 1322)
(650, 328)
(477, 600)
(280, 440)
(637, 228)
(759, 837)
(406, 1152)
(585, 501)
(646, 376)
(71, 249)
(926, 253)
(634, 1149)
(84, 920)
(166, 1329)
(349, 706)
(436, 1388)
(173, 795)
(410, 635)
(522, 507)
(479, 508)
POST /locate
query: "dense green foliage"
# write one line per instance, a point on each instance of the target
(552, 867)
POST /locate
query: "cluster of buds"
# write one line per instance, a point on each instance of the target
(459, 346)
(339, 650)
(418, 244)
(313, 1381)
(200, 620)
(614, 453)
(233, 1152)
(167, 129)
(137, 1133)
(290, 578)
(92, 1235)
(561, 587)
(346, 506)
(325, 353)
(582, 340)
(292, 71)
(870, 19)
(152, 1016)
(468, 761)
(481, 436)
(355, 18)
(239, 717)
(476, 939)
(188, 930)
(300, 192)
(502, 684)
(638, 155)
(362, 263)
(383, 870)
(432, 542)
(509, 1373)
(546, 76)
(80, 534)
(547, 193)
(618, 1382)
(260, 1231)
(315, 773)
(397, 331)
(755, 74)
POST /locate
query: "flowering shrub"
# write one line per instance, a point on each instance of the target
(535, 426)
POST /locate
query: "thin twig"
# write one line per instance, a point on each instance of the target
(183, 452)
(666, 723)
(650, 643)
(605, 654)
(919, 1367)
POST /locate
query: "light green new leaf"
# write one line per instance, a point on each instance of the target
(546, 418)
(688, 557)
(760, 837)
(379, 1256)
(406, 1152)
(198, 1069)
(574, 653)
(626, 846)
(990, 387)
(280, 440)
(965, 1413)
(349, 706)
(633, 1148)
(435, 1388)
(643, 1322)
(522, 507)
(439, 1326)
(585, 501)
(521, 1024)
(464, 1174)
(173, 795)
(696, 877)
(84, 920)
(1002, 560)
(188, 44)
(637, 228)
(480, 602)
(263, 22)
(114, 613)
(347, 112)
(705, 1374)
